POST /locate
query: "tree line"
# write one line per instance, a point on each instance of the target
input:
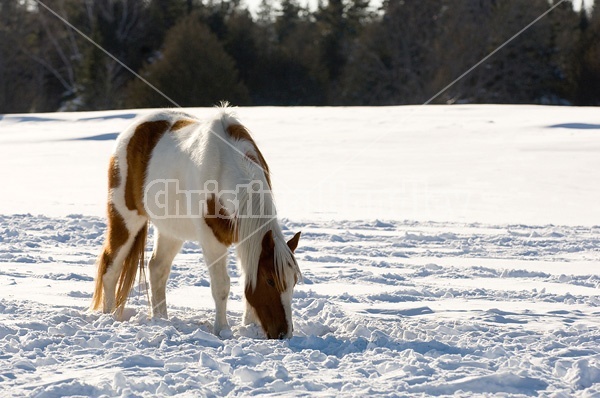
(343, 53)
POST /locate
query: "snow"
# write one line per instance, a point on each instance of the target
(490, 164)
(445, 251)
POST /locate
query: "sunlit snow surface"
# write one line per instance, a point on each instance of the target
(445, 251)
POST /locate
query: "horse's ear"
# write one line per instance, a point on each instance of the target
(293, 243)
(268, 244)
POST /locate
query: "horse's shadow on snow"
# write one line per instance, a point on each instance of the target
(99, 137)
(576, 126)
(341, 346)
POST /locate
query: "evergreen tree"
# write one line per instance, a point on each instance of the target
(288, 19)
(586, 62)
(339, 24)
(163, 15)
(193, 70)
(266, 13)
(389, 62)
(17, 72)
(332, 26)
(240, 42)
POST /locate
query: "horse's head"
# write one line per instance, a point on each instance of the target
(271, 299)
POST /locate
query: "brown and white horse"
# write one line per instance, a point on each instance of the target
(201, 181)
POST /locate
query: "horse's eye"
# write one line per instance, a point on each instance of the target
(271, 282)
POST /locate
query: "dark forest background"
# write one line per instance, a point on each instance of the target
(344, 53)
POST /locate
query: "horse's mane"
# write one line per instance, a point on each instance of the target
(252, 222)
(251, 231)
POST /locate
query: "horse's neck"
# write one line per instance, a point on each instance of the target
(226, 160)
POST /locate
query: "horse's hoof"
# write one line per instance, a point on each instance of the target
(225, 333)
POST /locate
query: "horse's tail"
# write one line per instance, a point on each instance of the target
(134, 259)
(101, 265)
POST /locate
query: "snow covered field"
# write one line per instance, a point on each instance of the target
(445, 250)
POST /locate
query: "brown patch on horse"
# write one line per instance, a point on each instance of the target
(139, 149)
(253, 158)
(266, 297)
(117, 231)
(293, 245)
(116, 236)
(221, 224)
(239, 132)
(181, 123)
(114, 176)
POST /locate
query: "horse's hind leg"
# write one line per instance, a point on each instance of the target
(159, 267)
(117, 249)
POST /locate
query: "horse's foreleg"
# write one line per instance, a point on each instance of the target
(250, 315)
(216, 260)
(159, 267)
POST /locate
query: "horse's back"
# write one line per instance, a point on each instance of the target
(152, 125)
(134, 151)
(165, 159)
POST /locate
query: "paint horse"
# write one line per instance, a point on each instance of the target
(179, 154)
